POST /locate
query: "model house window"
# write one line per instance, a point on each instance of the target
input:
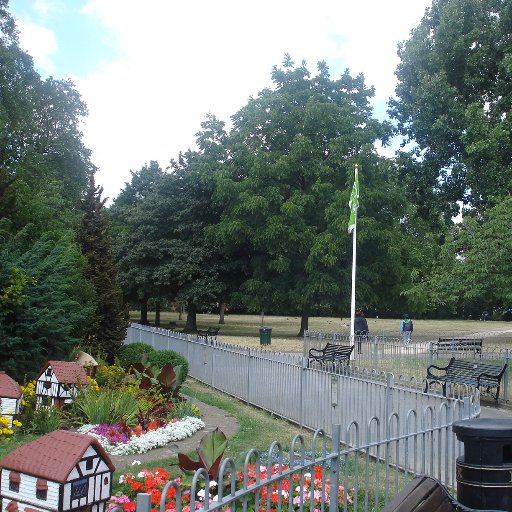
(49, 372)
(14, 481)
(88, 464)
(79, 489)
(47, 385)
(41, 489)
(44, 400)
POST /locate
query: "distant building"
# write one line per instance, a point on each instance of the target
(61, 471)
(58, 381)
(10, 397)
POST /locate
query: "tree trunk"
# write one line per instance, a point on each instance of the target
(191, 325)
(157, 313)
(144, 311)
(180, 311)
(221, 312)
(304, 323)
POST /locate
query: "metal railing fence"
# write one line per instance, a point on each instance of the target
(383, 429)
(389, 354)
(354, 470)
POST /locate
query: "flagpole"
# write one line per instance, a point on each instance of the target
(353, 293)
(354, 205)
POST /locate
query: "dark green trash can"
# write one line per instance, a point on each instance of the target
(265, 335)
(484, 472)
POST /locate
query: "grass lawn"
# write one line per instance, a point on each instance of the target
(244, 329)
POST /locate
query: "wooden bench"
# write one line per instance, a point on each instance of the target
(448, 345)
(464, 371)
(425, 494)
(208, 334)
(332, 353)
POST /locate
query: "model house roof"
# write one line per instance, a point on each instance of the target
(53, 456)
(9, 388)
(85, 359)
(67, 372)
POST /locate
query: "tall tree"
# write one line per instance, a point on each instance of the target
(44, 168)
(453, 102)
(286, 188)
(134, 246)
(107, 329)
(50, 304)
(472, 272)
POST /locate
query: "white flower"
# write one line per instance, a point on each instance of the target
(152, 439)
(136, 463)
(200, 494)
(122, 479)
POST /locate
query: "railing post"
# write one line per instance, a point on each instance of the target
(505, 376)
(335, 468)
(248, 388)
(390, 382)
(303, 377)
(375, 353)
(430, 351)
(143, 502)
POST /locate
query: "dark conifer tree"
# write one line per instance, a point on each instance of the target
(107, 329)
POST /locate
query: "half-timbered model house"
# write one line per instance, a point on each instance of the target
(58, 382)
(60, 471)
(10, 397)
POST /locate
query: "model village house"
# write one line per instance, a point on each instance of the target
(58, 381)
(10, 397)
(61, 471)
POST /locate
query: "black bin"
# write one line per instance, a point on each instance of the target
(484, 473)
(265, 335)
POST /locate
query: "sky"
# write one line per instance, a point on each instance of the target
(150, 71)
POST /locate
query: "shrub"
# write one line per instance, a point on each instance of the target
(109, 376)
(45, 420)
(105, 406)
(132, 353)
(159, 358)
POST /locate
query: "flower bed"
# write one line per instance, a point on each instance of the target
(116, 442)
(294, 493)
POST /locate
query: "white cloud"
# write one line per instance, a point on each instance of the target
(179, 60)
(40, 43)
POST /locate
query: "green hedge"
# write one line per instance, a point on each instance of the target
(161, 357)
(132, 353)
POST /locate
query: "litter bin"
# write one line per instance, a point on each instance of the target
(265, 335)
(484, 473)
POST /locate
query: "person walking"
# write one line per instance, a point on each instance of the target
(360, 328)
(406, 328)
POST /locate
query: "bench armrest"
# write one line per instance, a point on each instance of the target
(440, 368)
(319, 352)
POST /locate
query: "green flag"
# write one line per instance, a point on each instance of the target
(353, 203)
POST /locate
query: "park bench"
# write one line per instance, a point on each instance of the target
(332, 353)
(464, 371)
(449, 345)
(208, 334)
(425, 494)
